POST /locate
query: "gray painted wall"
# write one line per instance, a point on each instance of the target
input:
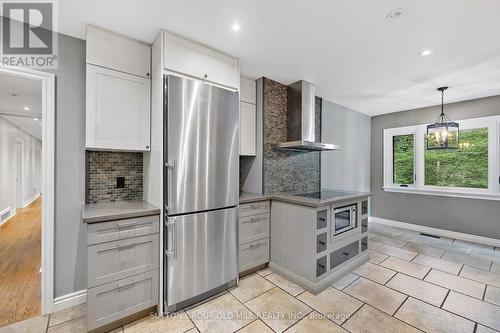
(349, 167)
(70, 232)
(472, 216)
(70, 260)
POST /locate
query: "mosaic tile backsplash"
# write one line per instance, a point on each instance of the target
(284, 171)
(104, 167)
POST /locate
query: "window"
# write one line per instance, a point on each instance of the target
(463, 167)
(472, 170)
(403, 160)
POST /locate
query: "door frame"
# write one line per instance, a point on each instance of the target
(19, 180)
(48, 177)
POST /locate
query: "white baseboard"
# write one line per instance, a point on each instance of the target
(69, 300)
(438, 232)
(30, 200)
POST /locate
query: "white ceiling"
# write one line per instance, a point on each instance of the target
(12, 108)
(349, 49)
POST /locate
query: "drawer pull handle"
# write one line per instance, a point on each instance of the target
(345, 253)
(253, 246)
(254, 220)
(128, 224)
(121, 286)
(122, 246)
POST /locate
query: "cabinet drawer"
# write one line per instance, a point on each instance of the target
(254, 208)
(120, 229)
(321, 221)
(253, 228)
(321, 240)
(116, 300)
(364, 244)
(364, 225)
(253, 254)
(343, 254)
(320, 266)
(117, 260)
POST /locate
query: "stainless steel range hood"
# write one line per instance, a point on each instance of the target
(301, 120)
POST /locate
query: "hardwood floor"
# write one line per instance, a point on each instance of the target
(20, 256)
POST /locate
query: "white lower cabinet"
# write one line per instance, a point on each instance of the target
(253, 235)
(117, 110)
(112, 301)
(122, 274)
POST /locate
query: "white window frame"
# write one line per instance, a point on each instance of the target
(419, 187)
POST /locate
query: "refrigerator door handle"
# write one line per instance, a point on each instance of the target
(170, 207)
(171, 238)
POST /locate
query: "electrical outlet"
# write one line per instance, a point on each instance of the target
(120, 182)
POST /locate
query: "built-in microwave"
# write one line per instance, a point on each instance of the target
(344, 219)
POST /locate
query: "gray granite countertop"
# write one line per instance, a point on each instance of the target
(246, 197)
(108, 211)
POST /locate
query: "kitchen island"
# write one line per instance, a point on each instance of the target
(316, 238)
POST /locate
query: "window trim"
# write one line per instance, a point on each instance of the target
(419, 187)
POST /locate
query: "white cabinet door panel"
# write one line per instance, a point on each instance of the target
(248, 122)
(248, 90)
(185, 57)
(118, 112)
(111, 50)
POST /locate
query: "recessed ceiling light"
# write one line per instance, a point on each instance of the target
(395, 13)
(426, 53)
(236, 27)
(26, 108)
(35, 119)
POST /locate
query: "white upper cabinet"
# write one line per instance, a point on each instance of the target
(111, 50)
(247, 129)
(248, 117)
(117, 116)
(118, 94)
(248, 90)
(188, 58)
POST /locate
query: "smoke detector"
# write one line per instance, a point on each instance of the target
(395, 13)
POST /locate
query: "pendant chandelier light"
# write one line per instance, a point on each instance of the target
(443, 134)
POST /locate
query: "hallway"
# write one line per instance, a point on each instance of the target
(20, 257)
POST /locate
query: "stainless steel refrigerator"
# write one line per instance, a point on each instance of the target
(201, 170)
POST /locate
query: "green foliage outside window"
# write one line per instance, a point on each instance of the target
(403, 159)
(463, 167)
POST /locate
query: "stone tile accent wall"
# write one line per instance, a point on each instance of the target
(284, 171)
(104, 167)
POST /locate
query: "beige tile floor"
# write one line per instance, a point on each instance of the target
(412, 283)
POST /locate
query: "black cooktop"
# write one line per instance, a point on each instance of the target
(323, 194)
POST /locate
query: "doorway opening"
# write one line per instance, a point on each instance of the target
(26, 214)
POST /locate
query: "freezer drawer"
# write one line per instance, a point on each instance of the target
(121, 298)
(116, 260)
(119, 229)
(201, 253)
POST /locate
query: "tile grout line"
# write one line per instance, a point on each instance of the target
(444, 299)
(352, 315)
